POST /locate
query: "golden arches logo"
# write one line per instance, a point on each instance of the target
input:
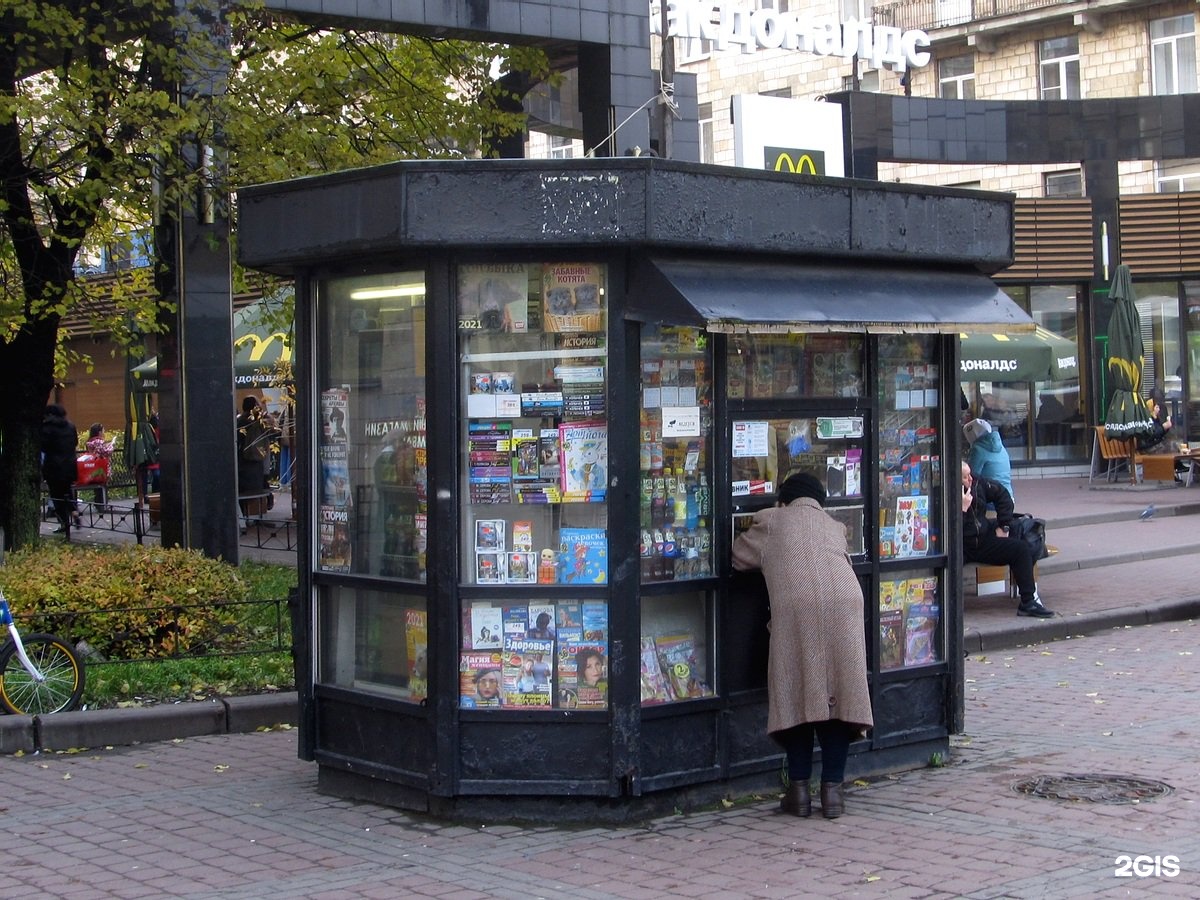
(784, 162)
(260, 345)
(794, 160)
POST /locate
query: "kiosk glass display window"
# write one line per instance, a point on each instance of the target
(775, 366)
(911, 517)
(375, 641)
(371, 481)
(533, 465)
(675, 493)
(829, 447)
(675, 512)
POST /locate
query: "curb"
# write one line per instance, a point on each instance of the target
(135, 725)
(1037, 631)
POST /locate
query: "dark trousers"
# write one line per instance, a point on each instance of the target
(834, 737)
(1011, 552)
(60, 495)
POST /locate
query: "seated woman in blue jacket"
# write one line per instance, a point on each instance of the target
(988, 458)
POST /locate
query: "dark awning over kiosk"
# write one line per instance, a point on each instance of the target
(772, 297)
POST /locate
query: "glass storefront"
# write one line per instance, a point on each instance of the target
(1042, 421)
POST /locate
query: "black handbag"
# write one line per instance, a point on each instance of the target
(1032, 531)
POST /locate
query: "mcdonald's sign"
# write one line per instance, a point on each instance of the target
(794, 160)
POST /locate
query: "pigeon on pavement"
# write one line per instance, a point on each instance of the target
(1147, 513)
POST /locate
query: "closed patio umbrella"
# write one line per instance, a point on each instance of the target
(1040, 356)
(1127, 414)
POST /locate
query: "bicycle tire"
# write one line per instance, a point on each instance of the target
(21, 695)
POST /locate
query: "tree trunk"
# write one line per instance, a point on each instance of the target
(30, 357)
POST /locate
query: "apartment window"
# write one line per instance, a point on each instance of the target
(1178, 175)
(561, 147)
(707, 151)
(1173, 54)
(777, 5)
(867, 81)
(1060, 68)
(956, 78)
(1063, 184)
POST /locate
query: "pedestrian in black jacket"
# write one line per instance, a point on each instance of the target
(58, 440)
(987, 540)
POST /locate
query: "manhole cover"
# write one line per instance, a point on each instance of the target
(1093, 788)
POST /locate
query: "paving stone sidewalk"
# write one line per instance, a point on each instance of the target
(238, 816)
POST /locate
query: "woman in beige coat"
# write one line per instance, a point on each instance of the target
(817, 678)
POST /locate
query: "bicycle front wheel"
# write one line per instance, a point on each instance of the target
(62, 683)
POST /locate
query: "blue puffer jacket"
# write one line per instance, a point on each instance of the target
(988, 459)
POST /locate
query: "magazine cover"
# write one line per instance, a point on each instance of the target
(335, 477)
(891, 638)
(570, 615)
(892, 593)
(493, 298)
(912, 526)
(516, 620)
(541, 621)
(591, 676)
(571, 298)
(920, 626)
(677, 659)
(416, 646)
(525, 459)
(527, 669)
(653, 685)
(487, 627)
(335, 404)
(566, 694)
(594, 614)
(584, 461)
(548, 463)
(479, 679)
(583, 556)
(334, 550)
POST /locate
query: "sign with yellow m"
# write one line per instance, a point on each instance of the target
(794, 160)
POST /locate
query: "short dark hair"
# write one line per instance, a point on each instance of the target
(249, 403)
(95, 430)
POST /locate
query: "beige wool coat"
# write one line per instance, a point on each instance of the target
(818, 660)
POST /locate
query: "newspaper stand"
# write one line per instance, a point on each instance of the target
(544, 397)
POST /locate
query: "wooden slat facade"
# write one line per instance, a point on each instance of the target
(1052, 240)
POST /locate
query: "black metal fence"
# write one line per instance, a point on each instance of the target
(258, 627)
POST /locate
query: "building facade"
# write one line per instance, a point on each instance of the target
(1098, 148)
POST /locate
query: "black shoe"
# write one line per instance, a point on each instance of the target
(1035, 609)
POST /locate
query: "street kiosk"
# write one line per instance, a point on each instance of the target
(538, 399)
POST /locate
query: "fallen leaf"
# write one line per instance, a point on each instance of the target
(220, 768)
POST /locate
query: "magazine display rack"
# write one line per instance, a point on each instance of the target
(910, 487)
(534, 378)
